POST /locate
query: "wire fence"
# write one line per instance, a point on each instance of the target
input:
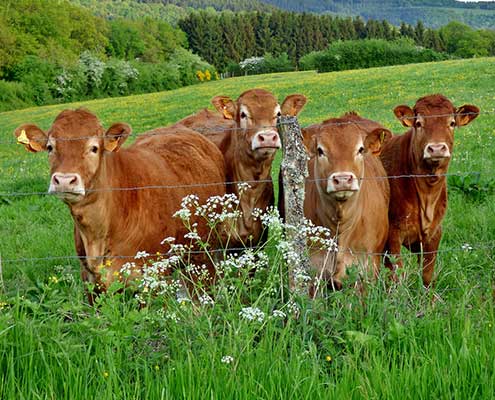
(219, 128)
(462, 248)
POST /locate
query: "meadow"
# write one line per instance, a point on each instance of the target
(393, 341)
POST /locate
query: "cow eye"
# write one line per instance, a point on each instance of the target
(452, 124)
(321, 153)
(243, 115)
(49, 148)
(417, 124)
(361, 150)
(279, 114)
(94, 149)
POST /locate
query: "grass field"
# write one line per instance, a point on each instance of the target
(392, 342)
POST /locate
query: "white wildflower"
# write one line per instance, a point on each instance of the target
(252, 314)
(141, 254)
(227, 359)
(206, 300)
(278, 314)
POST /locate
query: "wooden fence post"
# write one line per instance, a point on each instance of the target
(294, 170)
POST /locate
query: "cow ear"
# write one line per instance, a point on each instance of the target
(405, 114)
(375, 139)
(293, 104)
(31, 137)
(465, 114)
(116, 135)
(309, 141)
(225, 105)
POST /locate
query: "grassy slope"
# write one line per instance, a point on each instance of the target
(59, 348)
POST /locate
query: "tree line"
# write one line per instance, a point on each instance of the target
(226, 38)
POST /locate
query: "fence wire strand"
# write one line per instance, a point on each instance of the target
(463, 248)
(215, 129)
(251, 182)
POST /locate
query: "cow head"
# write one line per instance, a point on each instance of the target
(255, 113)
(75, 143)
(433, 120)
(338, 150)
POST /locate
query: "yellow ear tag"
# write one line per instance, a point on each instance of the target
(22, 138)
(382, 136)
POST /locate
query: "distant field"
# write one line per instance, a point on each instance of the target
(53, 346)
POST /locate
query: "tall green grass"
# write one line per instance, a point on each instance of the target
(391, 341)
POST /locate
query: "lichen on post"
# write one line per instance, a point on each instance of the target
(294, 171)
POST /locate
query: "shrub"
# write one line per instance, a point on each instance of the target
(280, 63)
(14, 95)
(38, 77)
(188, 64)
(355, 54)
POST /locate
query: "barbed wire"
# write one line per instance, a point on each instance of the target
(229, 183)
(215, 129)
(463, 248)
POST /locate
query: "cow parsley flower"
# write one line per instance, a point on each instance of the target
(278, 314)
(252, 314)
(227, 359)
(206, 300)
(141, 254)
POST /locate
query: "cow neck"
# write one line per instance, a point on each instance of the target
(242, 167)
(429, 189)
(340, 216)
(92, 216)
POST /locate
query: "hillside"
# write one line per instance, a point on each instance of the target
(170, 11)
(433, 13)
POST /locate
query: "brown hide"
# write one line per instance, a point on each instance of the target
(249, 149)
(356, 215)
(112, 223)
(211, 124)
(418, 204)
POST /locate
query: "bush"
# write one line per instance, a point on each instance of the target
(155, 78)
(355, 54)
(263, 65)
(38, 77)
(277, 64)
(188, 64)
(14, 95)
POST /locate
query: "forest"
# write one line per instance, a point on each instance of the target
(55, 51)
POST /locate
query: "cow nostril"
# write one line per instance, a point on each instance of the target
(262, 138)
(349, 179)
(73, 180)
(55, 180)
(274, 138)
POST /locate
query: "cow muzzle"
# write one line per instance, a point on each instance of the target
(436, 151)
(68, 187)
(266, 140)
(342, 185)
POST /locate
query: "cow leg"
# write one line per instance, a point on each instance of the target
(393, 248)
(430, 249)
(86, 275)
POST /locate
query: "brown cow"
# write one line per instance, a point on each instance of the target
(249, 149)
(209, 123)
(347, 192)
(418, 204)
(91, 173)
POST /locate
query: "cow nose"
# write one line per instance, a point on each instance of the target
(65, 181)
(437, 150)
(343, 181)
(266, 140)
